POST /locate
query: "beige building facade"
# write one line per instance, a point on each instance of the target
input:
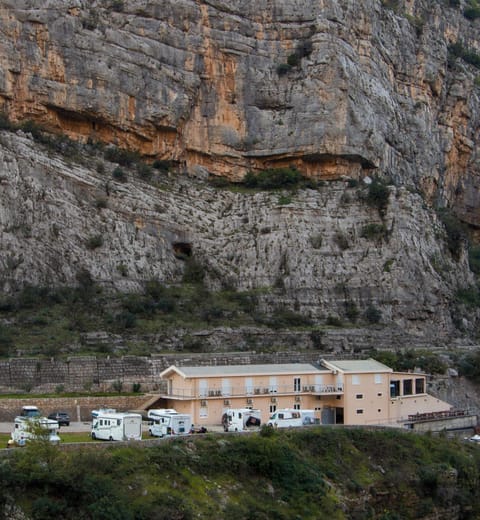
(356, 392)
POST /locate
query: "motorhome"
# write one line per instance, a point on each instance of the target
(289, 418)
(33, 427)
(112, 426)
(168, 422)
(30, 411)
(95, 413)
(241, 419)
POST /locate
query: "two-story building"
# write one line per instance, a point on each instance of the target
(363, 392)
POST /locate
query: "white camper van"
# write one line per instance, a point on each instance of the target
(34, 427)
(167, 421)
(117, 426)
(241, 419)
(288, 417)
(30, 411)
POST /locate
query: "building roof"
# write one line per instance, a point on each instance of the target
(360, 365)
(242, 370)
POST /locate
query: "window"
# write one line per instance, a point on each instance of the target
(359, 396)
(378, 379)
(407, 387)
(296, 406)
(296, 384)
(272, 385)
(394, 388)
(273, 408)
(226, 387)
(420, 386)
(203, 411)
(359, 411)
(355, 380)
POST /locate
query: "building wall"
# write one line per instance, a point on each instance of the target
(365, 399)
(402, 407)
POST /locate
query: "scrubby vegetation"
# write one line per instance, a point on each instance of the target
(316, 473)
(411, 359)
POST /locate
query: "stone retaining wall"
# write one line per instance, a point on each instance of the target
(103, 374)
(78, 408)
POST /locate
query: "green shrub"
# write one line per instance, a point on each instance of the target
(162, 165)
(117, 5)
(144, 171)
(351, 311)
(284, 200)
(283, 68)
(455, 230)
(469, 366)
(194, 272)
(372, 314)
(474, 259)
(101, 202)
(293, 60)
(94, 242)
(273, 178)
(5, 123)
(316, 241)
(378, 194)
(120, 156)
(457, 50)
(334, 321)
(126, 320)
(470, 296)
(372, 231)
(387, 266)
(119, 175)
(341, 239)
(472, 13)
(304, 48)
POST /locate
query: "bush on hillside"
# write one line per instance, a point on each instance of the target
(273, 178)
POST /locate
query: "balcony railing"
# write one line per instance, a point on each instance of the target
(242, 391)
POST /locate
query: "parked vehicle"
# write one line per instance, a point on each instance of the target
(28, 428)
(117, 426)
(168, 422)
(241, 419)
(288, 417)
(30, 411)
(62, 418)
(95, 413)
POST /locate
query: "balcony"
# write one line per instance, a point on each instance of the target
(254, 391)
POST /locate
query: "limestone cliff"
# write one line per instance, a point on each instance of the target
(338, 89)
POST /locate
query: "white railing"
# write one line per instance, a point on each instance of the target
(241, 391)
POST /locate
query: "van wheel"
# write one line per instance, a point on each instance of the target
(236, 429)
(93, 435)
(110, 438)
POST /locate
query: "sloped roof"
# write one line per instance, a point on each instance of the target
(242, 370)
(357, 365)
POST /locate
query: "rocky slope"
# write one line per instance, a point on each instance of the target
(341, 90)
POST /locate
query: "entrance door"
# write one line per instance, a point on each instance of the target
(339, 415)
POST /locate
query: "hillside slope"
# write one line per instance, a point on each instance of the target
(311, 474)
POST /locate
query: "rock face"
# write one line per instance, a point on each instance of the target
(333, 87)
(338, 89)
(309, 248)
